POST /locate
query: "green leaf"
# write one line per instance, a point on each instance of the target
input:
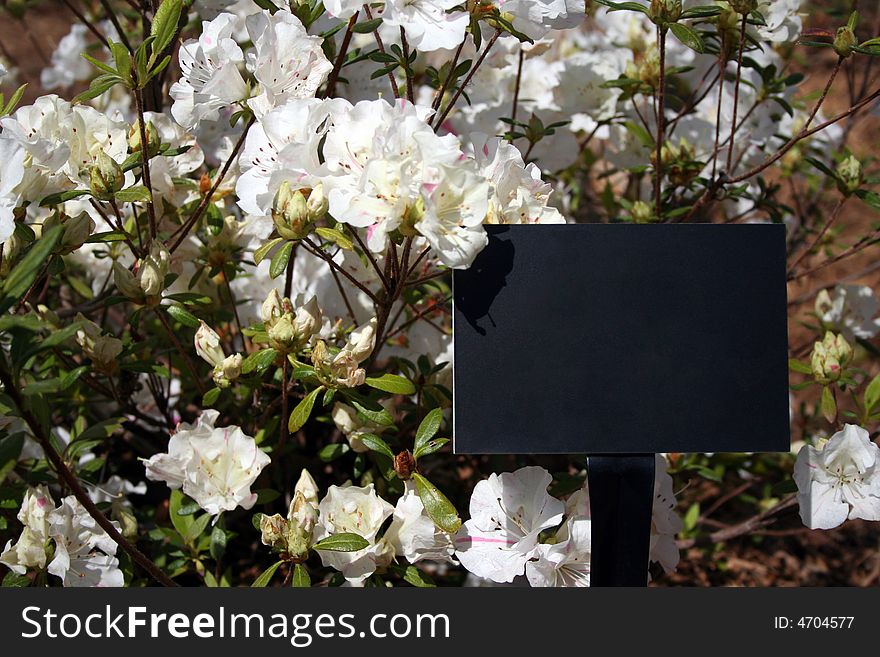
(688, 36)
(392, 383)
(303, 410)
(428, 428)
(197, 527)
(280, 260)
(25, 271)
(706, 11)
(138, 193)
(264, 579)
(336, 236)
(97, 88)
(623, 6)
(376, 444)
(210, 397)
(367, 26)
(16, 581)
(413, 576)
(300, 579)
(797, 366)
(218, 542)
(872, 394)
(828, 404)
(267, 5)
(61, 197)
(164, 27)
(429, 447)
(869, 197)
(436, 504)
(333, 452)
(181, 523)
(343, 542)
(261, 253)
(182, 316)
(381, 417)
(258, 361)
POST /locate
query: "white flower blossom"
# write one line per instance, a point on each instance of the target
(839, 480)
(357, 510)
(215, 466)
(429, 24)
(508, 513)
(413, 534)
(852, 311)
(84, 552)
(29, 551)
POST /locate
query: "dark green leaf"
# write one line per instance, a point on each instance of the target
(303, 410)
(343, 542)
(436, 504)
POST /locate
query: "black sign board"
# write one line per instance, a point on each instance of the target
(622, 339)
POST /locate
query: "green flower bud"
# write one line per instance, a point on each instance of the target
(664, 11)
(290, 212)
(105, 177)
(317, 203)
(845, 41)
(127, 283)
(282, 333)
(154, 140)
(152, 271)
(227, 371)
(641, 213)
(849, 174)
(830, 357)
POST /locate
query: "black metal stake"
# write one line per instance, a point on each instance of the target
(621, 500)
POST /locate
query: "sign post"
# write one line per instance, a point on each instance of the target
(622, 341)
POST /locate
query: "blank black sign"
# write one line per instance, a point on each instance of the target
(621, 338)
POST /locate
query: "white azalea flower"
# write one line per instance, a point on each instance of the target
(839, 480)
(342, 8)
(287, 62)
(413, 534)
(567, 561)
(428, 24)
(358, 510)
(535, 17)
(215, 466)
(665, 521)
(852, 311)
(67, 66)
(211, 79)
(12, 157)
(454, 214)
(517, 194)
(29, 551)
(508, 512)
(282, 146)
(164, 169)
(77, 541)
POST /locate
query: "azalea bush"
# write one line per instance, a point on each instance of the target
(227, 235)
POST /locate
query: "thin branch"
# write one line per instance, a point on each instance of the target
(70, 480)
(467, 80)
(739, 61)
(834, 214)
(330, 89)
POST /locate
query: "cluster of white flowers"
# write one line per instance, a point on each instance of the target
(84, 554)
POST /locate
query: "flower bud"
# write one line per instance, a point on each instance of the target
(105, 177)
(301, 520)
(641, 213)
(317, 203)
(290, 212)
(227, 371)
(127, 283)
(830, 357)
(283, 333)
(307, 319)
(103, 350)
(307, 487)
(153, 269)
(664, 11)
(404, 464)
(272, 307)
(362, 341)
(154, 140)
(208, 345)
(844, 41)
(273, 530)
(849, 175)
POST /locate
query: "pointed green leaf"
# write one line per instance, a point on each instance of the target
(437, 506)
(392, 383)
(343, 542)
(303, 410)
(264, 579)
